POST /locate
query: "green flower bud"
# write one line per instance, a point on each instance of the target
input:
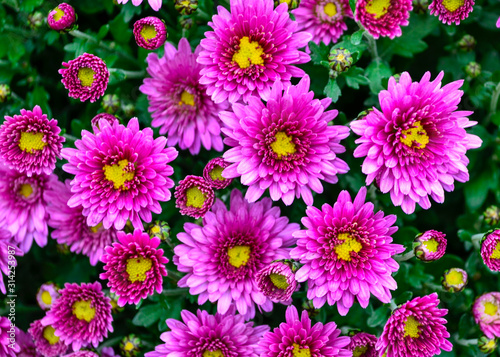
(4, 93)
(492, 215)
(63, 249)
(309, 307)
(467, 43)
(473, 69)
(110, 103)
(487, 345)
(35, 20)
(186, 22)
(454, 280)
(340, 61)
(129, 110)
(130, 345)
(159, 229)
(420, 6)
(292, 4)
(186, 7)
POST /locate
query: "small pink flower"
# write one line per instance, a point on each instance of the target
(46, 295)
(106, 116)
(451, 11)
(430, 245)
(277, 281)
(155, 4)
(194, 196)
(383, 18)
(46, 343)
(490, 250)
(150, 32)
(362, 344)
(212, 173)
(62, 18)
(486, 312)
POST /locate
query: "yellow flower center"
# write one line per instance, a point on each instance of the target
(238, 255)
(349, 245)
(415, 136)
(216, 353)
(148, 32)
(31, 141)
(95, 229)
(155, 229)
(300, 352)
(26, 190)
(216, 173)
(58, 15)
(454, 278)
(452, 5)
(431, 245)
(129, 346)
(114, 304)
(46, 298)
(283, 145)
(137, 268)
(491, 344)
(490, 308)
(411, 327)
(194, 197)
(48, 334)
(187, 99)
(496, 252)
(359, 351)
(279, 281)
(118, 175)
(330, 9)
(378, 7)
(86, 76)
(83, 311)
(249, 53)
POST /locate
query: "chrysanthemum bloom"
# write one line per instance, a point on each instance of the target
(9, 346)
(451, 11)
(277, 282)
(70, 226)
(30, 142)
(323, 19)
(180, 106)
(86, 77)
(47, 344)
(26, 345)
(7, 249)
(62, 18)
(210, 336)
(295, 337)
(121, 174)
(430, 245)
(454, 280)
(486, 312)
(110, 118)
(362, 344)
(415, 146)
(383, 17)
(150, 32)
(134, 267)
(285, 145)
(155, 4)
(347, 253)
(82, 354)
(490, 250)
(251, 47)
(212, 173)
(81, 316)
(46, 295)
(194, 196)
(222, 257)
(416, 328)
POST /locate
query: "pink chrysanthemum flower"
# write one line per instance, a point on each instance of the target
(150, 32)
(62, 18)
(7, 249)
(324, 19)
(486, 312)
(134, 267)
(251, 47)
(277, 282)
(222, 257)
(415, 146)
(9, 346)
(70, 226)
(26, 345)
(81, 316)
(490, 250)
(155, 4)
(285, 145)
(416, 328)
(383, 17)
(82, 354)
(86, 77)
(110, 118)
(121, 174)
(430, 245)
(347, 253)
(179, 103)
(451, 11)
(296, 337)
(362, 344)
(212, 173)
(208, 335)
(47, 344)
(194, 196)
(454, 280)
(47, 294)
(30, 142)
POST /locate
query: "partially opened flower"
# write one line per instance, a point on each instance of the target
(7, 249)
(486, 312)
(150, 32)
(430, 245)
(277, 281)
(490, 250)
(155, 4)
(46, 295)
(110, 118)
(383, 17)
(362, 344)
(47, 344)
(194, 196)
(9, 346)
(454, 280)
(212, 173)
(62, 17)
(451, 11)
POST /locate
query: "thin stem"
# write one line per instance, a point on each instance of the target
(404, 257)
(476, 240)
(175, 276)
(203, 15)
(372, 45)
(128, 74)
(393, 305)
(493, 104)
(70, 137)
(470, 342)
(174, 292)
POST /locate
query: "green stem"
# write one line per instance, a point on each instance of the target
(203, 15)
(175, 276)
(174, 292)
(393, 305)
(493, 104)
(404, 257)
(70, 137)
(128, 74)
(476, 240)
(372, 46)
(470, 342)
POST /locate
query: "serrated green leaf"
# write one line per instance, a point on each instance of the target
(319, 53)
(332, 90)
(404, 297)
(356, 37)
(355, 77)
(148, 315)
(375, 72)
(379, 316)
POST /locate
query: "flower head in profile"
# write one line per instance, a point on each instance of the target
(362, 344)
(347, 253)
(212, 173)
(430, 245)
(250, 48)
(486, 312)
(277, 281)
(296, 337)
(62, 17)
(415, 328)
(285, 145)
(194, 196)
(383, 17)
(7, 347)
(490, 250)
(46, 343)
(180, 106)
(451, 11)
(30, 142)
(155, 4)
(150, 32)
(7, 249)
(222, 257)
(46, 295)
(415, 145)
(121, 174)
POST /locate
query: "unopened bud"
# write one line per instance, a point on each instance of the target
(340, 61)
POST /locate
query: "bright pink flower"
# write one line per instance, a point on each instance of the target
(451, 11)
(383, 17)
(490, 250)
(430, 245)
(47, 344)
(106, 116)
(277, 282)
(8, 330)
(486, 312)
(212, 173)
(150, 32)
(46, 295)
(194, 196)
(62, 18)
(155, 4)
(363, 345)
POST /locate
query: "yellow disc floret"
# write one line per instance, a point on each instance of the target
(86, 76)
(216, 173)
(348, 245)
(129, 346)
(216, 353)
(31, 141)
(83, 311)
(283, 145)
(195, 197)
(431, 245)
(48, 334)
(95, 229)
(26, 190)
(415, 137)
(412, 327)
(496, 252)
(118, 175)
(454, 278)
(330, 9)
(148, 32)
(238, 255)
(137, 268)
(378, 7)
(452, 5)
(279, 281)
(46, 298)
(58, 15)
(359, 351)
(249, 53)
(187, 99)
(300, 352)
(490, 308)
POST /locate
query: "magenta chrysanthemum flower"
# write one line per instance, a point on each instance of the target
(106, 116)
(150, 33)
(194, 196)
(347, 253)
(362, 344)
(454, 280)
(121, 174)
(155, 4)
(486, 312)
(212, 173)
(251, 47)
(416, 328)
(222, 257)
(46, 295)
(62, 18)
(490, 250)
(180, 106)
(451, 11)
(285, 145)
(277, 282)
(134, 267)
(82, 354)
(70, 226)
(47, 344)
(430, 245)
(415, 146)
(383, 17)
(81, 316)
(26, 345)
(86, 77)
(30, 142)
(324, 19)
(9, 346)
(7, 249)
(296, 337)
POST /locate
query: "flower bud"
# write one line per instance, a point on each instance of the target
(340, 61)
(292, 4)
(186, 7)
(309, 307)
(430, 245)
(487, 345)
(159, 229)
(467, 43)
(473, 69)
(130, 345)
(110, 103)
(35, 20)
(62, 18)
(186, 22)
(4, 93)
(420, 6)
(492, 215)
(454, 280)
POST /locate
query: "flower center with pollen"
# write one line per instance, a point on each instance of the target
(195, 197)
(137, 268)
(58, 15)
(496, 252)
(359, 351)
(187, 99)
(348, 245)
(31, 141)
(452, 5)
(283, 145)
(300, 352)
(26, 190)
(490, 308)
(411, 327)
(330, 9)
(216, 173)
(46, 298)
(118, 175)
(86, 76)
(454, 278)
(48, 334)
(249, 53)
(279, 281)
(148, 32)
(129, 346)
(238, 255)
(415, 137)
(431, 245)
(83, 311)
(216, 353)
(378, 7)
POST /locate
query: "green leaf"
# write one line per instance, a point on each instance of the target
(477, 189)
(356, 37)
(355, 77)
(29, 5)
(319, 53)
(332, 90)
(148, 315)
(378, 317)
(376, 71)
(404, 297)
(103, 31)
(39, 96)
(417, 276)
(120, 29)
(352, 4)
